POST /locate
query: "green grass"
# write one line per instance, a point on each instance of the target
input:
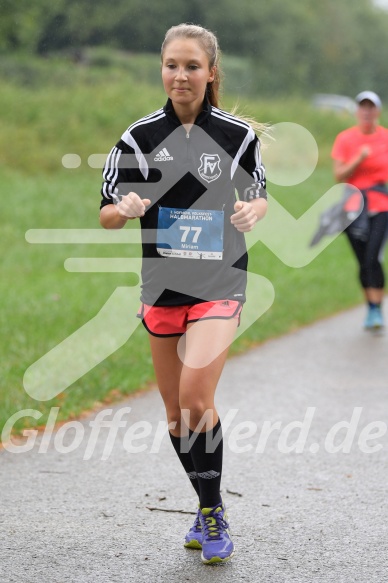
(53, 108)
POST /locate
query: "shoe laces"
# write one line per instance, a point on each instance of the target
(197, 523)
(215, 524)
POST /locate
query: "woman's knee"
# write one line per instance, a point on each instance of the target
(372, 275)
(196, 412)
(173, 414)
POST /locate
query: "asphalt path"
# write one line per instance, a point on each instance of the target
(104, 500)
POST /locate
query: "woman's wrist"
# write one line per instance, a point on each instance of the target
(110, 218)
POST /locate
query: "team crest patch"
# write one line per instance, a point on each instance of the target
(210, 169)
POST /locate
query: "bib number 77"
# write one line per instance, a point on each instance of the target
(186, 231)
(190, 233)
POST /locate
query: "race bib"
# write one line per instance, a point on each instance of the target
(190, 233)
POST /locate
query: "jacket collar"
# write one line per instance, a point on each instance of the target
(203, 115)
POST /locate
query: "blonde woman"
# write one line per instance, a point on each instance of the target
(191, 158)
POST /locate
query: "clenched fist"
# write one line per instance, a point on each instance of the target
(132, 206)
(245, 216)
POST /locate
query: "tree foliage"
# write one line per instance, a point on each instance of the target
(293, 47)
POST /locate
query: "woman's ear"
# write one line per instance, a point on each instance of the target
(212, 74)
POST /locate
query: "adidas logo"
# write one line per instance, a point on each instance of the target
(163, 156)
(208, 475)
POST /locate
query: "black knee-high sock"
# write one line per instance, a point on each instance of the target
(180, 446)
(206, 452)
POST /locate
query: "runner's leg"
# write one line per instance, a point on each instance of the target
(168, 369)
(196, 398)
(375, 279)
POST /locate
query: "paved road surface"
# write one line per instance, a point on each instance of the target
(319, 514)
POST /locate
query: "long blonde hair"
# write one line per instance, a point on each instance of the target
(208, 41)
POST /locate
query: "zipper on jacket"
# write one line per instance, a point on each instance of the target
(187, 149)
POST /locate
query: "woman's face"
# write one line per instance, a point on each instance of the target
(367, 114)
(185, 73)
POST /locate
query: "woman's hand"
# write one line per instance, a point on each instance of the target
(344, 170)
(132, 206)
(364, 152)
(247, 214)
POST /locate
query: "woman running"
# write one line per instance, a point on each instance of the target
(360, 156)
(178, 170)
